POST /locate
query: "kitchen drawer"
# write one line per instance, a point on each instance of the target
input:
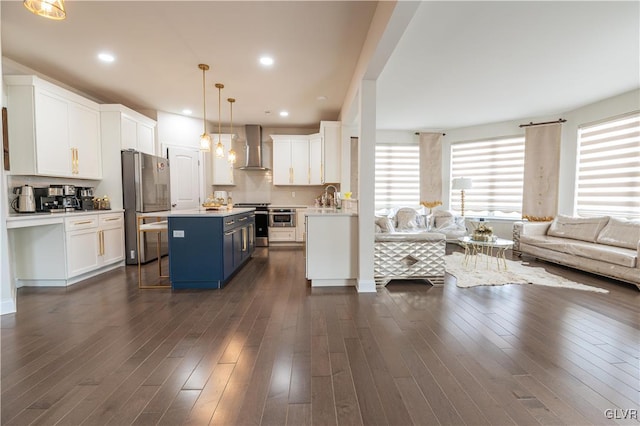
(282, 234)
(231, 222)
(113, 220)
(80, 222)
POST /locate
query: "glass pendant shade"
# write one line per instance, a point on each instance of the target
(205, 139)
(205, 142)
(52, 9)
(219, 146)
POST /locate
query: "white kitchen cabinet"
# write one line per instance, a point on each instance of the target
(331, 249)
(300, 224)
(331, 132)
(316, 162)
(292, 160)
(52, 131)
(93, 241)
(222, 168)
(282, 235)
(127, 129)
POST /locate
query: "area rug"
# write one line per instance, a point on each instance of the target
(516, 273)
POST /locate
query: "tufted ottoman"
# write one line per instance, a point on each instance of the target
(405, 255)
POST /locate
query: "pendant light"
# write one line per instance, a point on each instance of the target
(232, 152)
(205, 139)
(219, 146)
(51, 9)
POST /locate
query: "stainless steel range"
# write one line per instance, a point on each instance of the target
(262, 222)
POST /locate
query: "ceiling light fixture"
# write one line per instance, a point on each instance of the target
(267, 61)
(219, 146)
(187, 112)
(205, 139)
(232, 152)
(51, 9)
(284, 114)
(106, 57)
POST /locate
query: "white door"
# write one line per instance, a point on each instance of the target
(185, 182)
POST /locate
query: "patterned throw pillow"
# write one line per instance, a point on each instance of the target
(384, 224)
(407, 219)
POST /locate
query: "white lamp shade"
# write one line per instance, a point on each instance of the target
(461, 183)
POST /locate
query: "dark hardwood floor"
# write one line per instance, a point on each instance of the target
(268, 349)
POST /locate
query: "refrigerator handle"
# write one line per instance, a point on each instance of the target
(137, 177)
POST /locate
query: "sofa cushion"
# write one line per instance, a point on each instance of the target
(615, 255)
(577, 228)
(620, 233)
(407, 219)
(410, 236)
(443, 218)
(384, 224)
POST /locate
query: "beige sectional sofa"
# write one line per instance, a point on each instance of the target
(601, 245)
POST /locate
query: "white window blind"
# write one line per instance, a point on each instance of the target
(397, 175)
(609, 168)
(496, 168)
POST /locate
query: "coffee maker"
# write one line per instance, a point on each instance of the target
(85, 197)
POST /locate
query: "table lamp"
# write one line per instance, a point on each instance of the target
(461, 184)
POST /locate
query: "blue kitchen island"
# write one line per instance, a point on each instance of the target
(206, 248)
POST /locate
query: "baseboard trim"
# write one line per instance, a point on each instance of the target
(366, 286)
(7, 306)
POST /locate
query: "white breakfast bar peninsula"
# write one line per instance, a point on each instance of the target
(331, 247)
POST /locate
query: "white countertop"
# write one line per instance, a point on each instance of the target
(20, 220)
(319, 211)
(201, 212)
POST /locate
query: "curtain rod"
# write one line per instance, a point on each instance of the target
(418, 133)
(531, 123)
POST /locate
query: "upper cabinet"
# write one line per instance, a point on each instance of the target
(125, 128)
(222, 168)
(308, 159)
(291, 159)
(52, 131)
(331, 133)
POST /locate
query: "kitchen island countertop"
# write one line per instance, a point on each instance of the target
(201, 212)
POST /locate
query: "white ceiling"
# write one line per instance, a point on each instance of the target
(457, 63)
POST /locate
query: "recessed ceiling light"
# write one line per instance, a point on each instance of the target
(321, 98)
(284, 114)
(187, 112)
(106, 57)
(267, 61)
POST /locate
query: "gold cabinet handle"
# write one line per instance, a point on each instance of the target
(290, 174)
(322, 172)
(84, 222)
(101, 242)
(111, 219)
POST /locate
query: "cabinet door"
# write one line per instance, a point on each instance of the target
(146, 139)
(82, 251)
(128, 133)
(53, 152)
(112, 245)
(316, 160)
(282, 172)
(331, 132)
(222, 169)
(228, 253)
(84, 136)
(300, 162)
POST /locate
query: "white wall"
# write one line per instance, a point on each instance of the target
(606, 108)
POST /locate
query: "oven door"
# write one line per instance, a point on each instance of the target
(285, 218)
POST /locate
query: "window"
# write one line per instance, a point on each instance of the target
(496, 169)
(608, 180)
(397, 175)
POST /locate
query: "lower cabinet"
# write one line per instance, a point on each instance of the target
(205, 251)
(93, 241)
(332, 250)
(59, 251)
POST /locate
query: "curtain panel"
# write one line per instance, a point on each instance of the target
(541, 172)
(431, 167)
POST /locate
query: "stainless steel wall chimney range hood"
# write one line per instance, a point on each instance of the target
(253, 135)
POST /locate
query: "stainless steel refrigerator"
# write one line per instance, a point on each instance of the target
(145, 189)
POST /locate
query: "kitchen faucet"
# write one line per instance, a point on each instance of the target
(326, 193)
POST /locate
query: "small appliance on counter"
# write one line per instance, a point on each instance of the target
(25, 202)
(85, 197)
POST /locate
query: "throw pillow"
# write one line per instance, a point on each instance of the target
(620, 233)
(384, 224)
(442, 219)
(407, 219)
(577, 228)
